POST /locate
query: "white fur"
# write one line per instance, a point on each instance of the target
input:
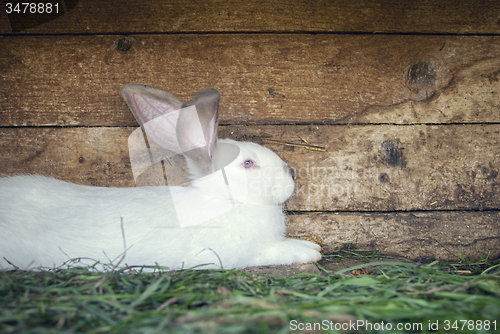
(45, 222)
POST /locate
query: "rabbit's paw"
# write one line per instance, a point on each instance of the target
(289, 251)
(303, 251)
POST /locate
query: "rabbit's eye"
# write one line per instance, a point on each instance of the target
(248, 163)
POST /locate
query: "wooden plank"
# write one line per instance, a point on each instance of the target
(387, 167)
(419, 16)
(94, 156)
(424, 236)
(362, 168)
(5, 26)
(264, 79)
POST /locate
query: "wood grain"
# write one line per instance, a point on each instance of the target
(419, 16)
(362, 168)
(263, 79)
(424, 236)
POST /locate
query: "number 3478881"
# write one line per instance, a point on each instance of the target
(31, 8)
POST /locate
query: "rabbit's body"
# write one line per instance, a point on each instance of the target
(46, 222)
(82, 221)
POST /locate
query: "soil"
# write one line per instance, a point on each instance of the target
(328, 264)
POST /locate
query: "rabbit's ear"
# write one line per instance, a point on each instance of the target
(200, 150)
(148, 104)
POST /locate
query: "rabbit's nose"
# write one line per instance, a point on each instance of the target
(291, 171)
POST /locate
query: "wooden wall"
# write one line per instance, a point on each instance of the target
(389, 110)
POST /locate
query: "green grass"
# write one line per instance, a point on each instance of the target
(459, 297)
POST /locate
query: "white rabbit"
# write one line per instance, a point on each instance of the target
(234, 201)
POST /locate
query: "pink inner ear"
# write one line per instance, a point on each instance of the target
(207, 106)
(162, 131)
(146, 109)
(157, 117)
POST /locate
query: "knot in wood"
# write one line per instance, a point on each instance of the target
(421, 75)
(124, 44)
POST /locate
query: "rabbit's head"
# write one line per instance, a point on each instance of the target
(269, 180)
(251, 172)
